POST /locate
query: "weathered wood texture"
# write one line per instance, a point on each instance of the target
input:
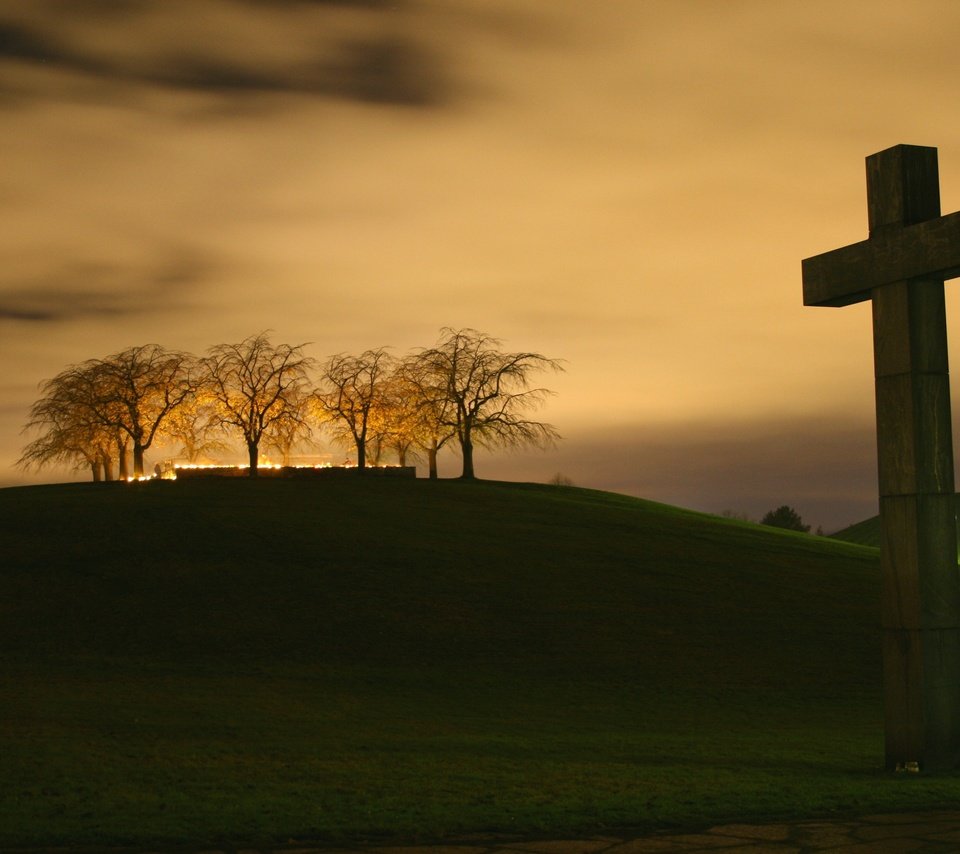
(908, 237)
(901, 268)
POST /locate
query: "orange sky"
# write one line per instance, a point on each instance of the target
(629, 186)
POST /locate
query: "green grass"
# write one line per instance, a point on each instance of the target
(242, 662)
(867, 532)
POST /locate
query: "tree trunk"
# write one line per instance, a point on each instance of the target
(107, 467)
(95, 470)
(432, 461)
(137, 459)
(124, 472)
(253, 450)
(361, 454)
(467, 447)
(402, 456)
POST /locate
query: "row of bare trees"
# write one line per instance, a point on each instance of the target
(465, 390)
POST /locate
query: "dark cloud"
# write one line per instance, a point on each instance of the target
(387, 70)
(18, 42)
(374, 66)
(83, 291)
(391, 53)
(210, 75)
(51, 305)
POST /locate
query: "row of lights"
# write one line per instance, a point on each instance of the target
(171, 474)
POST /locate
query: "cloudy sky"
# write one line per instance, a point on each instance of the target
(628, 185)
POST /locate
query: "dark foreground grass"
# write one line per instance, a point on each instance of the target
(221, 662)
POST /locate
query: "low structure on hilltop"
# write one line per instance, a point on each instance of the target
(193, 472)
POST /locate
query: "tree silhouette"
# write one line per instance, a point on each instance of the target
(136, 390)
(352, 397)
(785, 517)
(70, 432)
(482, 394)
(465, 388)
(103, 406)
(193, 426)
(287, 432)
(424, 416)
(256, 388)
(401, 428)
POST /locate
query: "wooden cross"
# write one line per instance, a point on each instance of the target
(901, 268)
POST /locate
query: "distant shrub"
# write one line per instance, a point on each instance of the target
(739, 515)
(785, 517)
(560, 479)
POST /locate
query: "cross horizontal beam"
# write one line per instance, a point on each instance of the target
(927, 250)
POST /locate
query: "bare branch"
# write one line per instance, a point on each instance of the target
(480, 394)
(258, 389)
(353, 398)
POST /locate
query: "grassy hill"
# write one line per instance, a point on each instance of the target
(241, 661)
(867, 532)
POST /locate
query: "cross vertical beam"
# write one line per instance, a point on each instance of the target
(918, 555)
(901, 269)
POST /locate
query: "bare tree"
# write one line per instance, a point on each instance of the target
(193, 427)
(352, 397)
(423, 413)
(58, 445)
(69, 430)
(257, 388)
(288, 432)
(487, 392)
(402, 424)
(103, 406)
(134, 392)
